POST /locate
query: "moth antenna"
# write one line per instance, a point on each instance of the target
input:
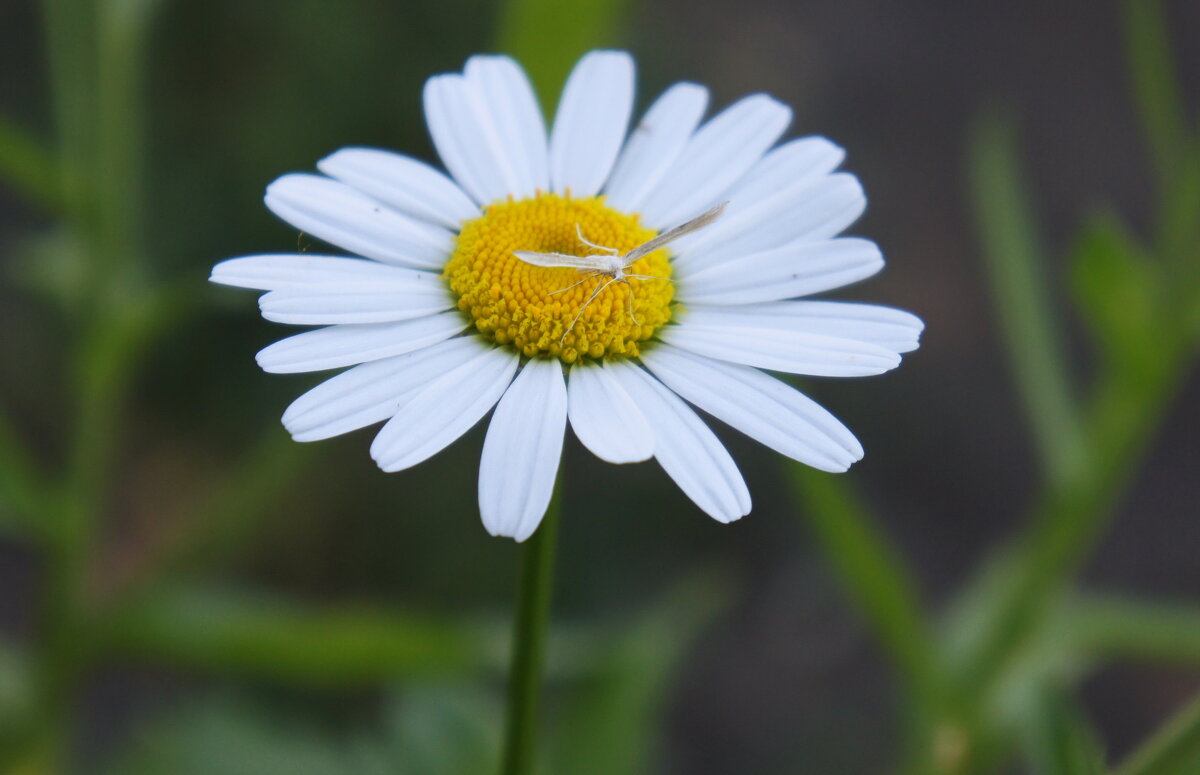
(590, 244)
(572, 285)
(595, 293)
(650, 277)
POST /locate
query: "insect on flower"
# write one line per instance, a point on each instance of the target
(611, 264)
(435, 300)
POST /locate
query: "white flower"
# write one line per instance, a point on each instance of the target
(441, 321)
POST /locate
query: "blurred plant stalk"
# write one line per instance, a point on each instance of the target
(92, 181)
(987, 688)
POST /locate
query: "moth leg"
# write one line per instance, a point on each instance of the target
(572, 285)
(590, 244)
(595, 293)
(629, 298)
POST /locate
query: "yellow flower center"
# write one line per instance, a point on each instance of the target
(534, 309)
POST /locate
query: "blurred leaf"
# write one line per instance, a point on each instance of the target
(1155, 86)
(547, 36)
(27, 167)
(1117, 291)
(236, 508)
(1179, 214)
(21, 487)
(611, 720)
(426, 730)
(877, 580)
(16, 690)
(242, 633)
(1016, 263)
(232, 738)
(436, 729)
(1107, 628)
(1059, 740)
(1172, 750)
(52, 266)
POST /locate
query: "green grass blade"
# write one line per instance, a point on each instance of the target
(1059, 740)
(245, 634)
(1173, 750)
(1114, 628)
(1155, 85)
(876, 579)
(1016, 265)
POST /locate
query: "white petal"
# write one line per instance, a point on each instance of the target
(756, 343)
(501, 85)
(811, 211)
(593, 114)
(783, 167)
(758, 405)
(336, 213)
(521, 451)
(410, 186)
(654, 145)
(605, 418)
(686, 448)
(443, 410)
(715, 158)
(892, 329)
(373, 392)
(278, 272)
(338, 346)
(467, 139)
(800, 269)
(356, 302)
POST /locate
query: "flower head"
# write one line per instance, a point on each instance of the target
(541, 277)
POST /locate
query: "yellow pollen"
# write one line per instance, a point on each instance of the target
(526, 307)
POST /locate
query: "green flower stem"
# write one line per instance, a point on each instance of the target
(534, 591)
(1173, 750)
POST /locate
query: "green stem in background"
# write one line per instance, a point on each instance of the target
(27, 167)
(1155, 86)
(120, 124)
(1016, 266)
(70, 45)
(886, 596)
(21, 484)
(547, 36)
(1071, 519)
(876, 579)
(1173, 750)
(1100, 628)
(534, 591)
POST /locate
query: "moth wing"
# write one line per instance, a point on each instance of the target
(593, 263)
(670, 235)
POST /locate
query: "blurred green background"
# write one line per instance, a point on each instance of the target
(185, 590)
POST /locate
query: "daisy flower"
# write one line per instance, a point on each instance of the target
(496, 285)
